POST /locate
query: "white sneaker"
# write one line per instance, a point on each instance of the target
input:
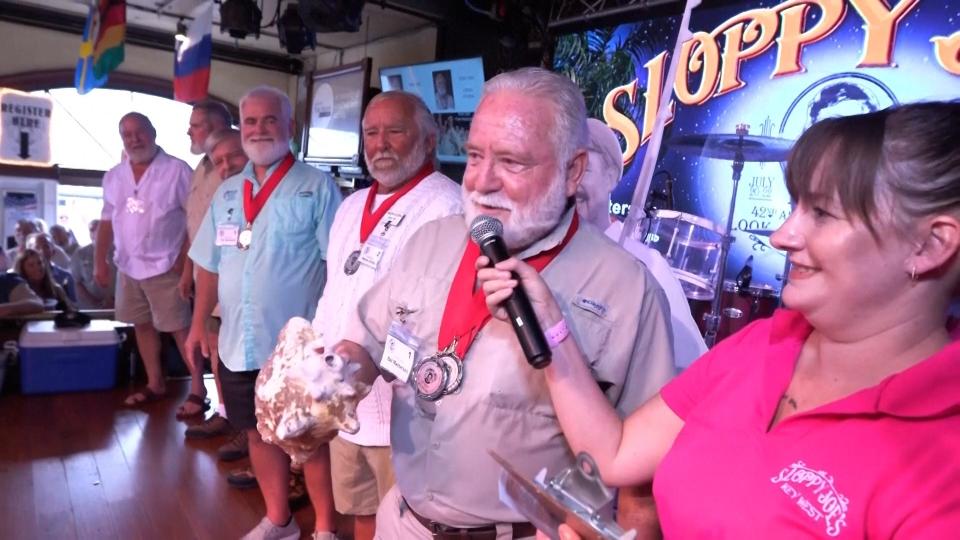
(266, 530)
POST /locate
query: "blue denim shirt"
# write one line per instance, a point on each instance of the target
(283, 272)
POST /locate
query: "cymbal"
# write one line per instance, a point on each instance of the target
(726, 146)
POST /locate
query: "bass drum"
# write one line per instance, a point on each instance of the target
(738, 308)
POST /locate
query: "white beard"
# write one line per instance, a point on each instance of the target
(405, 168)
(526, 224)
(265, 153)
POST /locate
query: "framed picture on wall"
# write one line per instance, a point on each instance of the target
(332, 128)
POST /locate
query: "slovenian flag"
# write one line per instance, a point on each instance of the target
(111, 31)
(84, 79)
(191, 64)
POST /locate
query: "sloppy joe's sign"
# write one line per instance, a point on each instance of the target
(710, 62)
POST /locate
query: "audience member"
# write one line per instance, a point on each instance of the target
(24, 228)
(64, 238)
(840, 414)
(90, 295)
(261, 251)
(399, 140)
(143, 216)
(16, 296)
(593, 195)
(61, 276)
(35, 269)
(526, 153)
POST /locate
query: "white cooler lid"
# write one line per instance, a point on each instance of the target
(45, 334)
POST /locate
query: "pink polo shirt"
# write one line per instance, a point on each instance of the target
(883, 462)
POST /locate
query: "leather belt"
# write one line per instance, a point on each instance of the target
(441, 531)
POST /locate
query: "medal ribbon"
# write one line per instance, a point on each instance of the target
(466, 310)
(369, 219)
(252, 205)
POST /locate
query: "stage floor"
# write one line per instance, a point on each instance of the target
(83, 465)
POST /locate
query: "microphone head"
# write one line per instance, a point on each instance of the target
(483, 227)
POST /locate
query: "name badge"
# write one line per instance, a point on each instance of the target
(227, 234)
(399, 352)
(391, 221)
(372, 251)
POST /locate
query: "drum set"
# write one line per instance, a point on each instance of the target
(697, 249)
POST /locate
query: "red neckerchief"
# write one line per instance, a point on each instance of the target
(369, 219)
(466, 310)
(252, 205)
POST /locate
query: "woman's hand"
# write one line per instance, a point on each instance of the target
(499, 282)
(565, 532)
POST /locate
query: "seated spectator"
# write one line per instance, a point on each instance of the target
(50, 251)
(33, 268)
(65, 239)
(25, 227)
(16, 297)
(90, 295)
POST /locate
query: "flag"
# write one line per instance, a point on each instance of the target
(108, 45)
(83, 78)
(191, 63)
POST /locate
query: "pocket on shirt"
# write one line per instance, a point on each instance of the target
(294, 216)
(591, 331)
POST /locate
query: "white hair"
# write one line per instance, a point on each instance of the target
(266, 91)
(422, 114)
(570, 111)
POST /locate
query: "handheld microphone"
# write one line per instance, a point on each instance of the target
(487, 233)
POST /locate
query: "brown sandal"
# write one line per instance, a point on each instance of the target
(143, 397)
(202, 404)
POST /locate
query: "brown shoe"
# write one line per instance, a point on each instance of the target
(215, 426)
(242, 478)
(235, 449)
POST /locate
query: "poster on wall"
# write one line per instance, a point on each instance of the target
(24, 128)
(451, 90)
(770, 68)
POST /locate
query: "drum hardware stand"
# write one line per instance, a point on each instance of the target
(712, 319)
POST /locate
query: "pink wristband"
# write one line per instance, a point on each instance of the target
(557, 333)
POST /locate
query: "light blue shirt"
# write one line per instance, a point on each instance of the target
(283, 272)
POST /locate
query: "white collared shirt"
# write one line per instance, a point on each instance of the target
(148, 217)
(435, 197)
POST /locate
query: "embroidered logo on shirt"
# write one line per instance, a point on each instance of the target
(590, 305)
(305, 194)
(815, 494)
(230, 194)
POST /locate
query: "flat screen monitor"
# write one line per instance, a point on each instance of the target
(332, 130)
(451, 89)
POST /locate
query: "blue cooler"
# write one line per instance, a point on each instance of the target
(68, 359)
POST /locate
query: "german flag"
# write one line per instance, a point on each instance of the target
(108, 47)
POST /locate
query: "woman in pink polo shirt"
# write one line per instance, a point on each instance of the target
(840, 416)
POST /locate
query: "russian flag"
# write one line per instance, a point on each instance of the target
(191, 65)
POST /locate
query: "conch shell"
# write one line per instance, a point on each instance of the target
(305, 396)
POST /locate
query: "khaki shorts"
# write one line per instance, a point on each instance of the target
(362, 475)
(154, 299)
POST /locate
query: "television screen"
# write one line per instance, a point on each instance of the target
(332, 129)
(451, 89)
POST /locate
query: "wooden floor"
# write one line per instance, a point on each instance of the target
(82, 465)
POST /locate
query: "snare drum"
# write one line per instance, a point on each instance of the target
(691, 245)
(738, 308)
